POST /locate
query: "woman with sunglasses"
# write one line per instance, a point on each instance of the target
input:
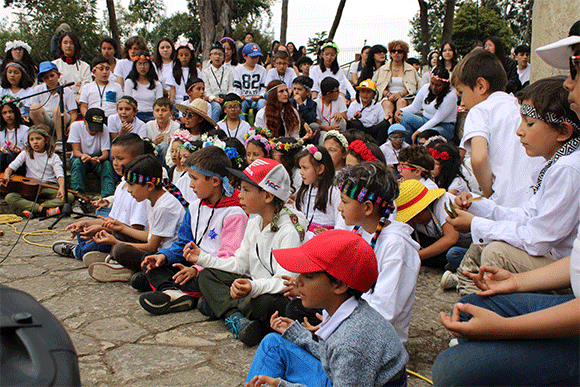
(396, 80)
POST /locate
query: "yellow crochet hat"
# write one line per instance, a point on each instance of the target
(413, 198)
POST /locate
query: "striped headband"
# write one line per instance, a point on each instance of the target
(551, 118)
(17, 65)
(132, 177)
(127, 101)
(360, 194)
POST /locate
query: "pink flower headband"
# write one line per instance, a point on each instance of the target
(437, 77)
(183, 43)
(313, 150)
(227, 38)
(183, 135)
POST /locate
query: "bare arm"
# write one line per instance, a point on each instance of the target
(449, 238)
(481, 166)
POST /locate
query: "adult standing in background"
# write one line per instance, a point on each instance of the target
(357, 67)
(494, 44)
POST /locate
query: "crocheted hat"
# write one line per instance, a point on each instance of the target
(413, 198)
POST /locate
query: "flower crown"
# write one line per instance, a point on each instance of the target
(137, 57)
(188, 146)
(439, 155)
(286, 146)
(212, 141)
(339, 136)
(183, 43)
(362, 150)
(7, 98)
(183, 135)
(17, 43)
(259, 134)
(234, 156)
(313, 150)
(437, 77)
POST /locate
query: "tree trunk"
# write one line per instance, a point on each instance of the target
(284, 22)
(448, 21)
(424, 15)
(113, 22)
(216, 22)
(336, 20)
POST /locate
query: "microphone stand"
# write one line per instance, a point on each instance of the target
(67, 207)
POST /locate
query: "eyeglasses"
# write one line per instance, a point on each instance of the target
(281, 63)
(217, 53)
(574, 66)
(398, 51)
(401, 168)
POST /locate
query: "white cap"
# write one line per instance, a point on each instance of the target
(558, 54)
(267, 174)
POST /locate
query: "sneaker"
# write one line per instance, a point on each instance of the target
(64, 248)
(167, 301)
(110, 272)
(449, 280)
(249, 332)
(53, 211)
(205, 309)
(453, 342)
(58, 146)
(139, 282)
(94, 256)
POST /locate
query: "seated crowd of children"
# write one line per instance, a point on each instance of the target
(306, 233)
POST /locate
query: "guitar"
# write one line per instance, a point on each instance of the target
(28, 186)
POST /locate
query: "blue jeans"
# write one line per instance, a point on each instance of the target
(279, 358)
(455, 256)
(145, 116)
(216, 111)
(248, 104)
(87, 245)
(413, 122)
(510, 362)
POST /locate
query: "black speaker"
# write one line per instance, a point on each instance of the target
(35, 349)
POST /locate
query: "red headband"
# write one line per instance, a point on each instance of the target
(362, 150)
(439, 155)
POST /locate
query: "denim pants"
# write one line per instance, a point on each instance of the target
(248, 104)
(413, 122)
(455, 256)
(279, 358)
(78, 171)
(510, 362)
(216, 111)
(145, 116)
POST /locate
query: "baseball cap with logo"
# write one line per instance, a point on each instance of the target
(95, 118)
(267, 174)
(367, 84)
(252, 49)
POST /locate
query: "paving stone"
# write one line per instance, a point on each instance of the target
(117, 329)
(42, 288)
(84, 345)
(14, 272)
(183, 337)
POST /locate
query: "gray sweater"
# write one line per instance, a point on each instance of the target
(363, 351)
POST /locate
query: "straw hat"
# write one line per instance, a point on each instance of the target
(197, 106)
(413, 198)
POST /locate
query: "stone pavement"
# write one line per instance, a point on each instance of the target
(119, 343)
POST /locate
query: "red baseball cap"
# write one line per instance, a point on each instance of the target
(267, 174)
(343, 254)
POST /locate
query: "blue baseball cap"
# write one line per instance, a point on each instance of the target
(397, 128)
(252, 49)
(45, 67)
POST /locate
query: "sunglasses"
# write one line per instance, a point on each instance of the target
(398, 51)
(574, 66)
(396, 139)
(189, 115)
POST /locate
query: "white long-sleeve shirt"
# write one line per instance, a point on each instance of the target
(218, 81)
(446, 113)
(317, 76)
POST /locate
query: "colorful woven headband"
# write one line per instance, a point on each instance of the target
(132, 177)
(360, 194)
(551, 118)
(17, 65)
(339, 136)
(15, 44)
(127, 101)
(313, 150)
(137, 57)
(7, 98)
(330, 44)
(226, 186)
(439, 155)
(183, 43)
(362, 150)
(36, 129)
(286, 146)
(437, 77)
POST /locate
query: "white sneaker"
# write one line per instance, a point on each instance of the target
(453, 342)
(109, 272)
(94, 256)
(58, 146)
(449, 280)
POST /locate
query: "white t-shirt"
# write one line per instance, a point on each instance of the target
(371, 115)
(49, 101)
(91, 145)
(126, 209)
(430, 184)
(430, 229)
(446, 113)
(114, 124)
(112, 76)
(317, 76)
(354, 69)
(102, 97)
(575, 268)
(287, 78)
(165, 219)
(144, 96)
(165, 73)
(317, 218)
(496, 120)
(396, 85)
(35, 166)
(458, 184)
(153, 130)
(392, 155)
(524, 74)
(79, 73)
(261, 122)
(242, 128)
(18, 137)
(250, 82)
(123, 68)
(325, 113)
(180, 92)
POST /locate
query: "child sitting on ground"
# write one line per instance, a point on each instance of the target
(447, 172)
(330, 110)
(215, 222)
(13, 134)
(281, 71)
(184, 181)
(284, 151)
(100, 93)
(145, 183)
(162, 127)
(125, 208)
(257, 144)
(251, 93)
(90, 152)
(219, 78)
(306, 107)
(355, 345)
(542, 229)
(247, 288)
(416, 163)
(232, 124)
(125, 120)
(42, 164)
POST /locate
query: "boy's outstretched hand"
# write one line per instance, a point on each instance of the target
(280, 324)
(240, 288)
(261, 380)
(154, 261)
(191, 252)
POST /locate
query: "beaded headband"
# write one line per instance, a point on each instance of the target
(17, 65)
(360, 194)
(551, 118)
(277, 86)
(227, 38)
(127, 101)
(226, 186)
(313, 150)
(437, 77)
(339, 136)
(137, 57)
(15, 44)
(286, 146)
(361, 149)
(132, 177)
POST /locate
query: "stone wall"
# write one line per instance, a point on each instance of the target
(552, 20)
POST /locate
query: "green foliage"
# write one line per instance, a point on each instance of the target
(262, 37)
(312, 45)
(436, 14)
(145, 14)
(518, 14)
(472, 24)
(174, 26)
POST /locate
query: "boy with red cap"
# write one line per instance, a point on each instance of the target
(247, 287)
(354, 345)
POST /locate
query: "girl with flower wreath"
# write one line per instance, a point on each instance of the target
(317, 197)
(143, 84)
(178, 138)
(19, 51)
(17, 83)
(447, 172)
(72, 68)
(359, 152)
(123, 67)
(184, 68)
(257, 144)
(284, 151)
(328, 66)
(337, 146)
(185, 150)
